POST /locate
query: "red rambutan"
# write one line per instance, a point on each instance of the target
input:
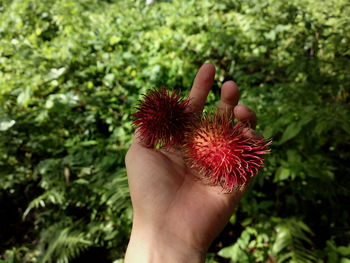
(221, 152)
(162, 118)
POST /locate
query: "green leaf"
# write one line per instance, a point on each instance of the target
(6, 124)
(24, 96)
(344, 251)
(235, 253)
(292, 130)
(88, 143)
(283, 174)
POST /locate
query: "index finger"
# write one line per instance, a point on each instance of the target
(201, 87)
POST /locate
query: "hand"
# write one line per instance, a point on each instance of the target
(176, 217)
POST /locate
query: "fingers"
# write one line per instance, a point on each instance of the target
(228, 103)
(229, 96)
(248, 132)
(244, 114)
(201, 87)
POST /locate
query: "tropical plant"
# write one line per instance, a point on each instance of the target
(71, 72)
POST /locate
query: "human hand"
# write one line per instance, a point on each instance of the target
(176, 217)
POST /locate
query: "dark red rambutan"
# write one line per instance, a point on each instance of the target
(162, 118)
(221, 153)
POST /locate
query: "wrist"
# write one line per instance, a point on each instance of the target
(151, 244)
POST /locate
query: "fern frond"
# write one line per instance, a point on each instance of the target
(61, 244)
(53, 196)
(292, 240)
(116, 192)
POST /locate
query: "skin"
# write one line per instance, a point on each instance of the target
(176, 217)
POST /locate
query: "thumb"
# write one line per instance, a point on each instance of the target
(139, 140)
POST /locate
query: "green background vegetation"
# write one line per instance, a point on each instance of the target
(72, 71)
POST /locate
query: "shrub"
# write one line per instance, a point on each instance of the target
(72, 71)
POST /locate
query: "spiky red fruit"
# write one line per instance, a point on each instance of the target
(162, 118)
(223, 154)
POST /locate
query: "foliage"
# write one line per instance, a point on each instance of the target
(72, 71)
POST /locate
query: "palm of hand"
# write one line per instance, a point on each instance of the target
(164, 190)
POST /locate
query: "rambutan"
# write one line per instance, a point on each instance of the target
(162, 118)
(222, 153)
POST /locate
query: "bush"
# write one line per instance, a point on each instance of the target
(72, 71)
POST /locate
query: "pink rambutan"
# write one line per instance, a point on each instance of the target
(162, 118)
(221, 153)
